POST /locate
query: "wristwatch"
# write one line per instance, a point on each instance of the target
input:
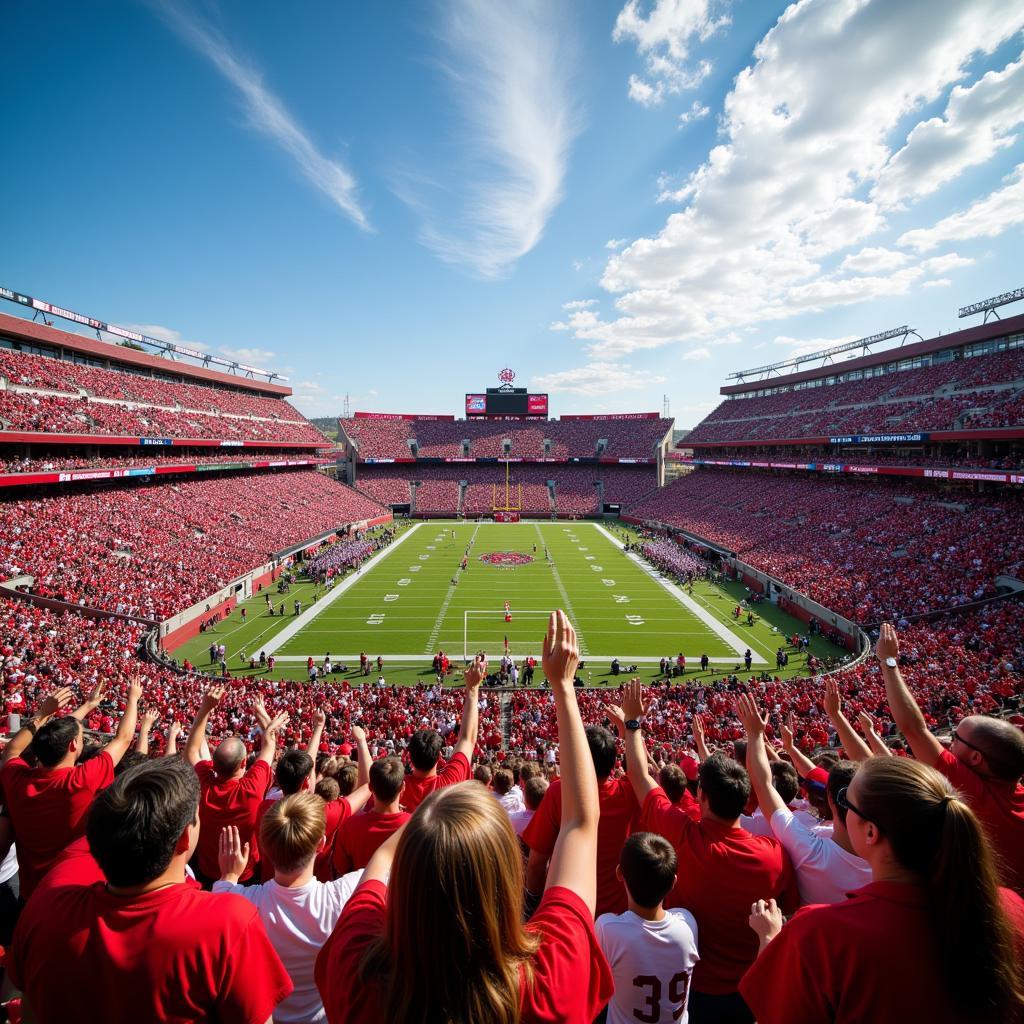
(632, 724)
(891, 662)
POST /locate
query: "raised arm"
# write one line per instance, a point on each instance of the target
(146, 723)
(91, 703)
(319, 721)
(122, 740)
(801, 762)
(269, 748)
(48, 707)
(358, 797)
(697, 724)
(194, 743)
(475, 674)
(856, 749)
(905, 712)
(637, 761)
(574, 858)
(758, 767)
(875, 742)
(173, 732)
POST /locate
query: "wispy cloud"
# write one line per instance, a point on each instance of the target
(510, 67)
(597, 378)
(167, 334)
(267, 114)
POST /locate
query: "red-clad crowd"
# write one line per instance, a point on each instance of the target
(259, 870)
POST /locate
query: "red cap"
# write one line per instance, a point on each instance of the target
(818, 775)
(345, 749)
(690, 767)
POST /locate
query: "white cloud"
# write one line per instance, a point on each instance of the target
(579, 304)
(597, 378)
(510, 67)
(260, 357)
(944, 264)
(697, 112)
(697, 354)
(977, 123)
(166, 334)
(804, 346)
(268, 115)
(940, 282)
(984, 218)
(874, 260)
(577, 264)
(766, 218)
(616, 243)
(664, 38)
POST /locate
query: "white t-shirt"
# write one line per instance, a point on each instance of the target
(825, 872)
(757, 824)
(520, 819)
(298, 922)
(663, 953)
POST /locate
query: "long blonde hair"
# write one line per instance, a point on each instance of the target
(454, 948)
(933, 833)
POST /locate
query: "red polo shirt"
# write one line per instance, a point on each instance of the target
(722, 871)
(228, 802)
(360, 835)
(1000, 808)
(619, 817)
(49, 810)
(873, 958)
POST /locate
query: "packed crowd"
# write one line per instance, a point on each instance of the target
(156, 548)
(869, 550)
(241, 876)
(953, 457)
(558, 440)
(118, 457)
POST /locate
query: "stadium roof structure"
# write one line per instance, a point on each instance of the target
(967, 336)
(35, 333)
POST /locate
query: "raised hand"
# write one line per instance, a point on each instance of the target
(615, 713)
(358, 734)
(149, 718)
(476, 672)
(633, 706)
(53, 702)
(174, 731)
(888, 645)
(319, 718)
(212, 697)
(96, 694)
(561, 653)
(135, 689)
(748, 713)
(277, 724)
(833, 702)
(232, 854)
(867, 723)
(697, 725)
(260, 711)
(788, 732)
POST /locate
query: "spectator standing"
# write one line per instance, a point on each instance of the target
(360, 835)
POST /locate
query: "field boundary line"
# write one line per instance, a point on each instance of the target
(719, 628)
(300, 621)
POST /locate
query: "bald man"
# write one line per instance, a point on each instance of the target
(230, 794)
(985, 761)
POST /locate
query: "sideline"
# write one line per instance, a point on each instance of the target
(301, 621)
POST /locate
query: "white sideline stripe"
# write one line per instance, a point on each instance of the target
(718, 628)
(692, 660)
(299, 621)
(432, 642)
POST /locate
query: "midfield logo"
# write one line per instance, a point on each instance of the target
(506, 559)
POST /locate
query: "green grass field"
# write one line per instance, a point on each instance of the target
(404, 606)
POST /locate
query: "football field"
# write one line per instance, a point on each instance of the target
(413, 599)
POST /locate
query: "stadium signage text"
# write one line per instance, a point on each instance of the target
(879, 439)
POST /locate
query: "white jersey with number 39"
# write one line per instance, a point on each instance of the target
(652, 962)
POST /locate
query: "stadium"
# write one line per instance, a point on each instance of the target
(619, 718)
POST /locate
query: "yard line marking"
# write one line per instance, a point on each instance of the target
(580, 639)
(444, 604)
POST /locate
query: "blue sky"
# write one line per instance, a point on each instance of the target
(620, 200)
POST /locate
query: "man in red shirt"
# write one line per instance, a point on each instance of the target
(425, 746)
(722, 867)
(144, 944)
(230, 794)
(49, 804)
(360, 834)
(619, 817)
(985, 762)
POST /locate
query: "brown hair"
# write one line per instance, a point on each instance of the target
(292, 829)
(348, 775)
(672, 779)
(387, 776)
(933, 833)
(328, 789)
(534, 790)
(502, 781)
(456, 886)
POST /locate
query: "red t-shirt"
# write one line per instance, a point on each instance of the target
(418, 789)
(999, 807)
(49, 809)
(176, 954)
(689, 805)
(722, 871)
(619, 817)
(231, 802)
(873, 958)
(571, 978)
(360, 835)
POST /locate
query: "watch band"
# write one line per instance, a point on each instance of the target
(632, 724)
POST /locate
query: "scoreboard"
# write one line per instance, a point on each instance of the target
(506, 402)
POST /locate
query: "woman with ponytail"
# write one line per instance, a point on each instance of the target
(434, 934)
(932, 937)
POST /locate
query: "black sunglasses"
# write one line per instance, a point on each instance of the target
(960, 739)
(843, 801)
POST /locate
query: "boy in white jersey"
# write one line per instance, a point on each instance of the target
(652, 951)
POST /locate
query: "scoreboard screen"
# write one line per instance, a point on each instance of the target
(506, 402)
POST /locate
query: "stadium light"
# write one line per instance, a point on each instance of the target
(828, 353)
(987, 306)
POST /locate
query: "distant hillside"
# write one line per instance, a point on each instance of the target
(327, 424)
